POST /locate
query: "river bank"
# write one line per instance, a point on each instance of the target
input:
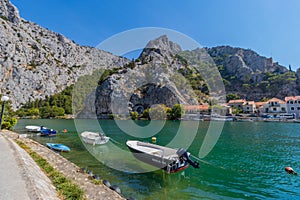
(67, 168)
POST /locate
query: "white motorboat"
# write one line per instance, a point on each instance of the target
(94, 138)
(166, 158)
(32, 128)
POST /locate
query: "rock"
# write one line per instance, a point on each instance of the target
(36, 62)
(9, 12)
(160, 50)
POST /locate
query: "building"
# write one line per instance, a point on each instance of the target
(242, 104)
(196, 108)
(249, 107)
(259, 107)
(237, 104)
(293, 105)
(275, 107)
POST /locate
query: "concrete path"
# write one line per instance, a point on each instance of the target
(20, 177)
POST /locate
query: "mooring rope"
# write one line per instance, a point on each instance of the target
(236, 170)
(114, 141)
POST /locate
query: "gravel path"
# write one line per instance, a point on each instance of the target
(21, 178)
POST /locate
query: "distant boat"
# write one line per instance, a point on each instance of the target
(223, 118)
(58, 147)
(94, 138)
(47, 131)
(169, 159)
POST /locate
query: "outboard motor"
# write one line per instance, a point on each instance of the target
(181, 152)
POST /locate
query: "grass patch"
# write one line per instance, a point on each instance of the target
(65, 187)
(97, 182)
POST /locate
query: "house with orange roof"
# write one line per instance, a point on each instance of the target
(242, 104)
(275, 107)
(260, 107)
(293, 105)
(237, 103)
(249, 107)
(196, 108)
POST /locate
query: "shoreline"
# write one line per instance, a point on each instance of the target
(67, 168)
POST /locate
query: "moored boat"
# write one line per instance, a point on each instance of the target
(47, 131)
(166, 158)
(58, 147)
(94, 138)
(32, 128)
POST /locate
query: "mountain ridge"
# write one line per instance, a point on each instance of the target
(36, 62)
(41, 61)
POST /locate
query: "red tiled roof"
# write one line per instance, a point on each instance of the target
(276, 99)
(196, 107)
(293, 98)
(259, 104)
(251, 102)
(237, 101)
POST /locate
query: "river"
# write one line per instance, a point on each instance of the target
(247, 161)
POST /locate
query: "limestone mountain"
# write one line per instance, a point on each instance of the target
(36, 62)
(142, 84)
(164, 74)
(252, 76)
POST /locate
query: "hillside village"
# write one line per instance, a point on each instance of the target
(274, 108)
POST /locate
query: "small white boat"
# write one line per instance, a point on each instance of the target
(94, 138)
(32, 128)
(169, 159)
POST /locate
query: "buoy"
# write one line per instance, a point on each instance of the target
(290, 170)
(106, 183)
(153, 139)
(65, 130)
(115, 188)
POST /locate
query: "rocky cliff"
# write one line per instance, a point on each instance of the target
(245, 64)
(35, 62)
(148, 83)
(163, 67)
(252, 76)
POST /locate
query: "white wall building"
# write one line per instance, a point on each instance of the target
(275, 107)
(293, 105)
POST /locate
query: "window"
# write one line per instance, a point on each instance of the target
(292, 108)
(298, 108)
(283, 109)
(274, 109)
(291, 102)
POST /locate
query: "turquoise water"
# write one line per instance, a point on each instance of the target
(247, 162)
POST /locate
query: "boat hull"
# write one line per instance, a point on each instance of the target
(34, 129)
(93, 138)
(58, 147)
(158, 161)
(47, 132)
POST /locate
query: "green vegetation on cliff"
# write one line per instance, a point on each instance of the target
(53, 106)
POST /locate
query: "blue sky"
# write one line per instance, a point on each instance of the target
(269, 27)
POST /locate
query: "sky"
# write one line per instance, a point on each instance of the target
(269, 27)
